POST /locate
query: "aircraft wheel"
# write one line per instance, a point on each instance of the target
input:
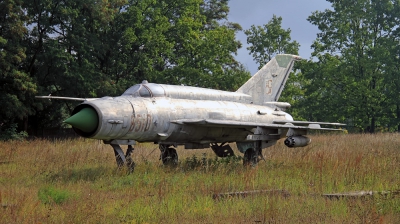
(250, 157)
(170, 157)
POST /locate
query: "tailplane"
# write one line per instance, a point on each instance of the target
(267, 84)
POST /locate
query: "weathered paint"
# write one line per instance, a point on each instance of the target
(272, 76)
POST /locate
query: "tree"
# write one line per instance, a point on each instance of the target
(359, 33)
(16, 87)
(194, 45)
(268, 40)
(90, 48)
(295, 92)
(68, 47)
(323, 92)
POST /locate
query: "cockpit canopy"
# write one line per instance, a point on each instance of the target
(145, 90)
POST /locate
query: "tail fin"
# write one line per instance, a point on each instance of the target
(267, 84)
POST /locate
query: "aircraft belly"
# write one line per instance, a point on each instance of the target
(207, 135)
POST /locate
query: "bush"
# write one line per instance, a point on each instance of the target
(11, 133)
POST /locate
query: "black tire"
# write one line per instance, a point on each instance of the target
(170, 157)
(250, 157)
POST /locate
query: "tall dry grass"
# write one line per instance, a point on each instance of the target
(76, 181)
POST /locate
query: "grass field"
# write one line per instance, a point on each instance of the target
(76, 181)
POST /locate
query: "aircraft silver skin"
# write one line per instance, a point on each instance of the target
(172, 115)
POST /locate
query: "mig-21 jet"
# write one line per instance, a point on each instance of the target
(197, 118)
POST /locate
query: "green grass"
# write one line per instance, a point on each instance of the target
(76, 181)
(48, 195)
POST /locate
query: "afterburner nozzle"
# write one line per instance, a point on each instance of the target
(85, 120)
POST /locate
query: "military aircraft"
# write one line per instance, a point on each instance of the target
(197, 118)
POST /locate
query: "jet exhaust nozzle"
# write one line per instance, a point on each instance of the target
(297, 141)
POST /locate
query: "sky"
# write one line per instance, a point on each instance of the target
(294, 15)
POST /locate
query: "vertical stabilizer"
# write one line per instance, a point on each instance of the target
(267, 84)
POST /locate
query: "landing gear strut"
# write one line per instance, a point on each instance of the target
(251, 157)
(168, 156)
(122, 159)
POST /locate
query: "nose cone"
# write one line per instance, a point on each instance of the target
(85, 120)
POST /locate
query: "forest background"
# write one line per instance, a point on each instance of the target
(95, 48)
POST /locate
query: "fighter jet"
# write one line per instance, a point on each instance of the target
(197, 118)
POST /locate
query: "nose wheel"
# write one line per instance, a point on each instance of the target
(124, 160)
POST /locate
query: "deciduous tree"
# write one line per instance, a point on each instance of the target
(270, 39)
(16, 86)
(358, 36)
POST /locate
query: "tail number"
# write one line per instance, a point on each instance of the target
(269, 87)
(140, 123)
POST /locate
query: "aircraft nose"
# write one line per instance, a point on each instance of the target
(85, 120)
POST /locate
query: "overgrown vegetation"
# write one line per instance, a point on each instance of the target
(77, 181)
(11, 133)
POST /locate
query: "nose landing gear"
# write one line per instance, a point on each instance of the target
(122, 159)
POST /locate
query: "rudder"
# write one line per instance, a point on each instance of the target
(267, 84)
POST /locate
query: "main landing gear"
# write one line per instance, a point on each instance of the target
(168, 156)
(253, 155)
(222, 150)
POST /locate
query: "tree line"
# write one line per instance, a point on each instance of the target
(354, 74)
(91, 48)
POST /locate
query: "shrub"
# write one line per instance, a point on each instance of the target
(11, 133)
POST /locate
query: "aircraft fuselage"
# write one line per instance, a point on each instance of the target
(157, 119)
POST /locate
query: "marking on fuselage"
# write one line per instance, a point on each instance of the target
(147, 127)
(140, 122)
